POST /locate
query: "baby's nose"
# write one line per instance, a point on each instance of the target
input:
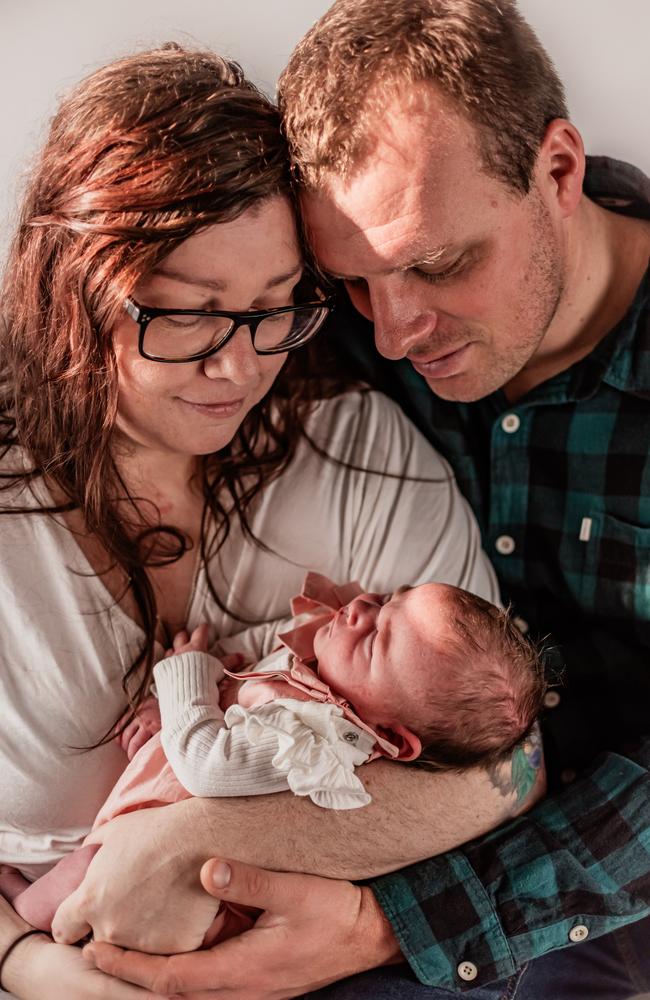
(358, 608)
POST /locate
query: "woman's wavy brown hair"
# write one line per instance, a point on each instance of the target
(143, 154)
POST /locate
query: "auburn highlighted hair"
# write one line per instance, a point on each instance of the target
(143, 154)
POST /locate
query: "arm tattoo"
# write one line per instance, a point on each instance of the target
(525, 764)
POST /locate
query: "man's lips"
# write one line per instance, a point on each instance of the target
(444, 365)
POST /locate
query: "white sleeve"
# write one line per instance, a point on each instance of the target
(207, 758)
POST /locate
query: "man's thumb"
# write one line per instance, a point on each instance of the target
(239, 883)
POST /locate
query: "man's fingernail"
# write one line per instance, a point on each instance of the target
(221, 875)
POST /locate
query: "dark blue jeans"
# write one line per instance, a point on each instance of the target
(613, 967)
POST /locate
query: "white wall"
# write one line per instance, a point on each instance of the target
(599, 46)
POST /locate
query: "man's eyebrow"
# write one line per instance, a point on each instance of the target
(426, 258)
(434, 256)
(215, 284)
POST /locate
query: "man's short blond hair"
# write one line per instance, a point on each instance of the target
(481, 54)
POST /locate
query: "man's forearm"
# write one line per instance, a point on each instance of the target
(414, 815)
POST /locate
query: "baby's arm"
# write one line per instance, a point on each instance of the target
(207, 758)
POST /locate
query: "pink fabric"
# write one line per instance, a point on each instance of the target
(148, 781)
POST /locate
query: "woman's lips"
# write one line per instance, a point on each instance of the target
(226, 409)
(443, 366)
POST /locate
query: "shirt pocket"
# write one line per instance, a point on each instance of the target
(616, 575)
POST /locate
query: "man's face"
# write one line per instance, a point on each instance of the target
(459, 274)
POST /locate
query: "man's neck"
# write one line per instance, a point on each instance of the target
(607, 256)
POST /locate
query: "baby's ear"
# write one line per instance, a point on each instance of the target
(409, 744)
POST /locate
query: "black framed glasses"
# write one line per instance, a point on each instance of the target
(177, 336)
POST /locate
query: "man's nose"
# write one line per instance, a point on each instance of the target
(401, 323)
(238, 362)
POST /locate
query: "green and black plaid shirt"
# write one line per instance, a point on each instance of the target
(560, 484)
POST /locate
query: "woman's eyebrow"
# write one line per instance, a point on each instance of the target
(280, 279)
(173, 275)
(217, 284)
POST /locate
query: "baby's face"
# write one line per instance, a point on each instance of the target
(377, 651)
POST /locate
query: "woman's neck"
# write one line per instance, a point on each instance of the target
(162, 477)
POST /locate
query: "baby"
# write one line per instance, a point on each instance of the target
(431, 675)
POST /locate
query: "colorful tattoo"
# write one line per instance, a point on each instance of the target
(525, 765)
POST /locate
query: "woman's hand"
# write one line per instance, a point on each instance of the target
(142, 889)
(313, 931)
(37, 969)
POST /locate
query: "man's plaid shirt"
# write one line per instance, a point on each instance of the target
(560, 484)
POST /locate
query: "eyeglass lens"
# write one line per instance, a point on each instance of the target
(177, 337)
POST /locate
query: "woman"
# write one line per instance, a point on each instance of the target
(168, 457)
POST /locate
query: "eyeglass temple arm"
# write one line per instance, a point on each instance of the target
(134, 312)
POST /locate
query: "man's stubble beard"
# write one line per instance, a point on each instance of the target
(544, 278)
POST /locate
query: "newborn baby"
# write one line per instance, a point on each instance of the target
(431, 674)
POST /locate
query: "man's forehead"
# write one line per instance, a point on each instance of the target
(387, 226)
(405, 196)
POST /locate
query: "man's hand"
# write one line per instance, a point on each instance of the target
(313, 931)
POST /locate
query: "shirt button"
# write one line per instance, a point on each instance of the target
(578, 933)
(468, 971)
(511, 423)
(551, 699)
(505, 545)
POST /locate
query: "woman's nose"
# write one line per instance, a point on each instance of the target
(237, 362)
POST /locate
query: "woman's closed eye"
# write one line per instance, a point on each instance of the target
(181, 322)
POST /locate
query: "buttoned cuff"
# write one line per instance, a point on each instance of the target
(446, 925)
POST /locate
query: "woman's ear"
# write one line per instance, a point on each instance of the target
(408, 743)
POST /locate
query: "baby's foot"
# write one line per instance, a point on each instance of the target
(40, 901)
(12, 883)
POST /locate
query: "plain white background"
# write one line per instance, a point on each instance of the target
(599, 46)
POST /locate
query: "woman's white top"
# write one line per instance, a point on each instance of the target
(65, 644)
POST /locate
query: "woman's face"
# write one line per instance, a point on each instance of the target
(196, 408)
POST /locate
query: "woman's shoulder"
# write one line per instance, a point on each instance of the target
(18, 490)
(362, 411)
(366, 428)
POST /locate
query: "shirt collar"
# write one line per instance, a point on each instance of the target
(622, 358)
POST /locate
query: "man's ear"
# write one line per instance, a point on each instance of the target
(560, 166)
(408, 743)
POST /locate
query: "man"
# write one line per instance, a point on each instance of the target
(442, 182)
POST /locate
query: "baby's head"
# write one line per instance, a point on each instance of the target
(435, 667)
